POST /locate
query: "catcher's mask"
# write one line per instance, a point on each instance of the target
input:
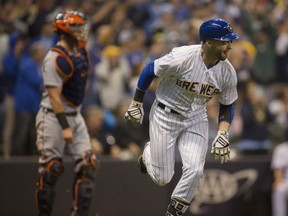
(72, 23)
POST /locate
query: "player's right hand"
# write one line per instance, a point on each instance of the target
(135, 112)
(220, 147)
(67, 135)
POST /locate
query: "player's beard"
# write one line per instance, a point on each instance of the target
(222, 54)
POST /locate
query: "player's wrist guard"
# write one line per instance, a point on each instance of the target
(61, 117)
(135, 112)
(220, 146)
(139, 95)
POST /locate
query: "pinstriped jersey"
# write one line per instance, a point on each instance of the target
(187, 84)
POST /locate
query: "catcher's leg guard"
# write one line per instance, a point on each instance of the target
(177, 207)
(84, 184)
(44, 193)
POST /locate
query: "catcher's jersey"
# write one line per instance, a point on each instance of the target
(52, 78)
(187, 84)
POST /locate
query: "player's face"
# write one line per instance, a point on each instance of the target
(221, 49)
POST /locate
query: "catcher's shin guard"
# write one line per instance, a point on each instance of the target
(84, 184)
(177, 207)
(44, 193)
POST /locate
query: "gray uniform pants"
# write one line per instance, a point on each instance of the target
(50, 143)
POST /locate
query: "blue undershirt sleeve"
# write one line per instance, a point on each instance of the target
(146, 77)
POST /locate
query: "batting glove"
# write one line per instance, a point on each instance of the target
(135, 112)
(220, 147)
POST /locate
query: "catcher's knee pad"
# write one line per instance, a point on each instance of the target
(87, 166)
(177, 207)
(44, 194)
(84, 183)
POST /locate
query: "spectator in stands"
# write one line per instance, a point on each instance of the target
(281, 49)
(133, 45)
(42, 12)
(256, 118)
(168, 27)
(28, 91)
(243, 58)
(265, 57)
(98, 40)
(112, 74)
(141, 15)
(4, 41)
(261, 30)
(278, 107)
(101, 139)
(47, 36)
(11, 62)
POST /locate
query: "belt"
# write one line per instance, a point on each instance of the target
(45, 109)
(163, 106)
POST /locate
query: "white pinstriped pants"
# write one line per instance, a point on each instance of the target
(167, 131)
(279, 199)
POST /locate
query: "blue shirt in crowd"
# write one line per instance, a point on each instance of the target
(28, 86)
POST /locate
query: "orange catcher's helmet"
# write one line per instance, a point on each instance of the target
(72, 23)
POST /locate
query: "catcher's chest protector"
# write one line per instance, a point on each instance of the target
(74, 69)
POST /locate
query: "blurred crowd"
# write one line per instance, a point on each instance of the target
(126, 34)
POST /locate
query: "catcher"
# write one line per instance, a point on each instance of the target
(59, 123)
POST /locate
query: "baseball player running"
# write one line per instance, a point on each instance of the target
(190, 77)
(59, 123)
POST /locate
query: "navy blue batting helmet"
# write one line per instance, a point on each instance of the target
(216, 29)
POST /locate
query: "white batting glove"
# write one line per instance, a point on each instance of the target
(220, 147)
(135, 112)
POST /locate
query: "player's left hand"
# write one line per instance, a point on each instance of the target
(67, 135)
(220, 147)
(135, 112)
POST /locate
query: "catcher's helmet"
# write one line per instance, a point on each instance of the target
(216, 29)
(72, 23)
